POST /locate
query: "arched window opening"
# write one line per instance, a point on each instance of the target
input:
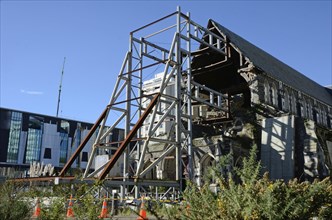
(280, 101)
(285, 101)
(309, 111)
(292, 102)
(273, 95)
(324, 117)
(266, 92)
(314, 114)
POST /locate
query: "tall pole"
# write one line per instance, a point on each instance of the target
(178, 149)
(60, 86)
(189, 107)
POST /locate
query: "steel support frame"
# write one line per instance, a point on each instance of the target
(125, 107)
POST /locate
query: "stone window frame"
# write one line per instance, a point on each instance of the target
(290, 97)
(285, 100)
(273, 94)
(309, 106)
(293, 100)
(266, 92)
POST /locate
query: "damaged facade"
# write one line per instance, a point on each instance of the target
(269, 104)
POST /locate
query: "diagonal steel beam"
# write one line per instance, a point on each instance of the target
(82, 145)
(131, 134)
(154, 163)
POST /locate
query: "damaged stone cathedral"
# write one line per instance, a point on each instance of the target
(285, 114)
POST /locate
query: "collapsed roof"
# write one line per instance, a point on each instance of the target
(262, 61)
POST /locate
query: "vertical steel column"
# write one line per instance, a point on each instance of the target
(128, 115)
(189, 107)
(139, 133)
(178, 98)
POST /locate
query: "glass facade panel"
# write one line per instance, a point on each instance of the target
(34, 141)
(14, 137)
(33, 145)
(64, 131)
(27, 137)
(76, 141)
(63, 147)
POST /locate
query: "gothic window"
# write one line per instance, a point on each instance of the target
(308, 109)
(280, 99)
(320, 110)
(314, 114)
(285, 101)
(266, 92)
(324, 117)
(293, 97)
(320, 116)
(291, 103)
(304, 108)
(299, 109)
(273, 95)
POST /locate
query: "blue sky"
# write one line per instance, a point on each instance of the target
(94, 36)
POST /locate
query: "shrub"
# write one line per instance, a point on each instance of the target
(12, 203)
(245, 194)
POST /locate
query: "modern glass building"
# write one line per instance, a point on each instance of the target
(29, 137)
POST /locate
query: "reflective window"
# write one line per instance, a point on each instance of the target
(35, 131)
(63, 147)
(64, 130)
(14, 137)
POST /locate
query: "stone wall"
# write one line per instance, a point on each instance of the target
(277, 147)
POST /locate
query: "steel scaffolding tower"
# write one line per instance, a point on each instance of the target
(147, 53)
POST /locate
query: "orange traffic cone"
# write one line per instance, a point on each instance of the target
(36, 214)
(142, 212)
(187, 208)
(70, 212)
(104, 213)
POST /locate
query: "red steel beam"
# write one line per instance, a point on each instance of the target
(82, 145)
(131, 134)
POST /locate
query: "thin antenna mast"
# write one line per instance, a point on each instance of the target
(63, 68)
